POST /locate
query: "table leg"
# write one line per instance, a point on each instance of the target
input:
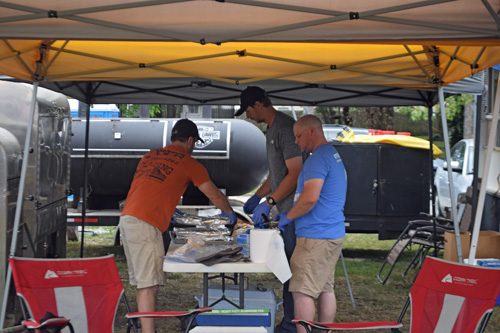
(223, 291)
(242, 290)
(205, 289)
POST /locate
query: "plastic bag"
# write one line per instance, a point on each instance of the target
(194, 249)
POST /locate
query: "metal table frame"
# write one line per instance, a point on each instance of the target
(220, 270)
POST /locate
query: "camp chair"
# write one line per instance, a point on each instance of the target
(418, 233)
(83, 293)
(421, 233)
(445, 297)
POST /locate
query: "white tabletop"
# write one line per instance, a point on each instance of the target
(228, 267)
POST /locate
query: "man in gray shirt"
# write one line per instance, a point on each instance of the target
(285, 162)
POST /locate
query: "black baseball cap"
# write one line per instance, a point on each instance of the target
(185, 128)
(249, 96)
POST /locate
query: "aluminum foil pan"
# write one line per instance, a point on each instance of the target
(212, 234)
(195, 220)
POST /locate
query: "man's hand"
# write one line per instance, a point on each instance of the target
(251, 203)
(232, 217)
(260, 211)
(283, 220)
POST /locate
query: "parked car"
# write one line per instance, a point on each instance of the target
(462, 163)
(331, 131)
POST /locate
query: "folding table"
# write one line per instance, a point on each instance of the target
(241, 267)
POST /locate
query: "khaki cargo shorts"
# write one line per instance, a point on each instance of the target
(313, 265)
(143, 246)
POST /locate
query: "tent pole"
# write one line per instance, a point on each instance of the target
(431, 173)
(19, 204)
(481, 104)
(492, 137)
(453, 209)
(85, 163)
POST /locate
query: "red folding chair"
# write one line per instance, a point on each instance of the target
(82, 292)
(445, 297)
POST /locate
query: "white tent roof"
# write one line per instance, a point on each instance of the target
(221, 21)
(396, 43)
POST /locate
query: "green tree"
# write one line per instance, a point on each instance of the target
(454, 106)
(416, 113)
(334, 115)
(131, 110)
(380, 117)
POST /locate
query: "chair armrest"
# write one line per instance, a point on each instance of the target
(163, 314)
(349, 326)
(51, 322)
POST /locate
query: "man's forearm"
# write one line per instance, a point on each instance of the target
(300, 208)
(264, 189)
(287, 186)
(216, 196)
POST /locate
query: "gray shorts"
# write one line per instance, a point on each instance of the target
(313, 265)
(143, 246)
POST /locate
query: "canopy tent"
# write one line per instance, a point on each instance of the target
(234, 43)
(185, 91)
(394, 43)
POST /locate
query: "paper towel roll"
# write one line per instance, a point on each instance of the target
(276, 260)
(266, 246)
(259, 244)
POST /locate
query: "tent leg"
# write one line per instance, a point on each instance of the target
(450, 174)
(85, 173)
(19, 204)
(431, 174)
(347, 280)
(492, 136)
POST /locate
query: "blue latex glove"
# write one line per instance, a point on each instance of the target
(251, 203)
(172, 221)
(232, 217)
(283, 220)
(261, 209)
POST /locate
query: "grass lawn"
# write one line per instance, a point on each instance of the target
(363, 255)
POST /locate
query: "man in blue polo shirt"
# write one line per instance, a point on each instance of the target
(318, 212)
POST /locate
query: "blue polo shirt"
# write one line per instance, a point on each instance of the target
(326, 219)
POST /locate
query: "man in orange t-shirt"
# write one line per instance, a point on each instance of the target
(161, 178)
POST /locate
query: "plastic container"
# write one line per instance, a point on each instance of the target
(255, 298)
(243, 240)
(489, 263)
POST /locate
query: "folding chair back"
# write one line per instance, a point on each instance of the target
(445, 297)
(453, 297)
(87, 291)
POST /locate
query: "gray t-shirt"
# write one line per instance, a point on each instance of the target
(280, 145)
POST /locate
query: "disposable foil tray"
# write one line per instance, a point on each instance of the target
(218, 234)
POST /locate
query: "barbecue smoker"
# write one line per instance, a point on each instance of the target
(42, 230)
(234, 154)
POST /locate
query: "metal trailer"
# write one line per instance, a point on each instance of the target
(388, 185)
(42, 229)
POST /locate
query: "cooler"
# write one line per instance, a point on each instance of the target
(490, 263)
(255, 298)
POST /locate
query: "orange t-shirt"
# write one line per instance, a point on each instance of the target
(161, 178)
